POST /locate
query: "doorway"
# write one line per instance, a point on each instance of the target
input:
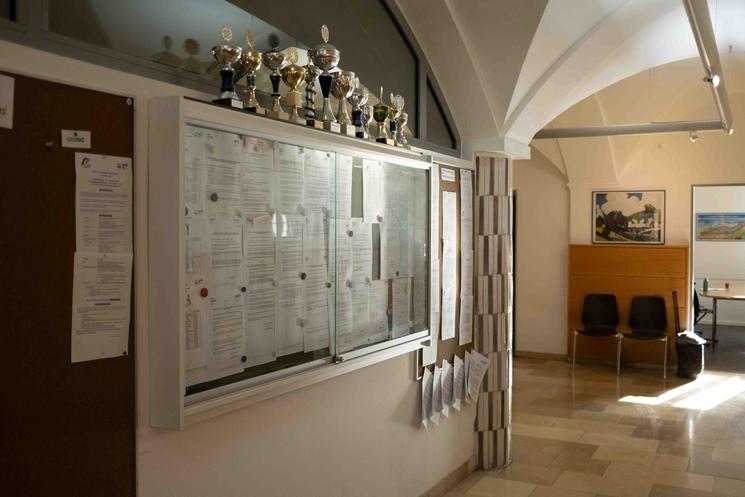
(718, 273)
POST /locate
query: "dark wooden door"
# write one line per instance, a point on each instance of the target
(67, 429)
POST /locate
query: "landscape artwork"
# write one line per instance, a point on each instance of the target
(720, 227)
(629, 217)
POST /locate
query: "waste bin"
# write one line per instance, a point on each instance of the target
(690, 349)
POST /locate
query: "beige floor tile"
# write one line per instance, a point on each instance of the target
(574, 424)
(727, 487)
(728, 455)
(667, 491)
(641, 457)
(530, 474)
(613, 487)
(661, 476)
(466, 484)
(567, 462)
(620, 441)
(546, 432)
(559, 492)
(498, 487)
(532, 458)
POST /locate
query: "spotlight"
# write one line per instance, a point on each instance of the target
(714, 79)
(693, 135)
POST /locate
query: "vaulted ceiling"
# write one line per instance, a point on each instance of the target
(509, 67)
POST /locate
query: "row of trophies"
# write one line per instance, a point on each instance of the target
(237, 62)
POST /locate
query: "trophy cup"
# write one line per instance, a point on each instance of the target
(344, 82)
(275, 60)
(401, 121)
(380, 113)
(311, 74)
(326, 56)
(358, 99)
(292, 76)
(250, 62)
(367, 119)
(227, 55)
(395, 109)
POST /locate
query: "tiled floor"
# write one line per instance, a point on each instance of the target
(596, 434)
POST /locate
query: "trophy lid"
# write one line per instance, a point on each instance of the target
(325, 55)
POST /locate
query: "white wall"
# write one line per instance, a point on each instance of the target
(542, 244)
(356, 435)
(721, 261)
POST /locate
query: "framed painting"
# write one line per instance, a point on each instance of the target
(631, 216)
(720, 227)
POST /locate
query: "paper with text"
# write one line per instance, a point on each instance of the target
(476, 370)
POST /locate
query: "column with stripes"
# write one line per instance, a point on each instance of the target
(494, 296)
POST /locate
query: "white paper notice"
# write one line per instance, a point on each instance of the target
(288, 336)
(465, 333)
(195, 173)
(226, 257)
(476, 370)
(100, 305)
(378, 310)
(449, 260)
(447, 387)
(7, 87)
(401, 307)
(316, 174)
(289, 166)
(103, 203)
(259, 254)
(257, 178)
(362, 250)
(343, 188)
(436, 395)
(259, 321)
(372, 196)
(466, 272)
(427, 384)
(196, 322)
(458, 381)
(466, 211)
(226, 352)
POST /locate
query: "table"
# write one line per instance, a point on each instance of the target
(717, 294)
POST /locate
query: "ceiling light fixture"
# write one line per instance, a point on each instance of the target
(714, 79)
(693, 135)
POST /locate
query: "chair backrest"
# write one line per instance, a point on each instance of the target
(696, 303)
(676, 312)
(600, 310)
(648, 315)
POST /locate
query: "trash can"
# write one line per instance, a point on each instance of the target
(690, 349)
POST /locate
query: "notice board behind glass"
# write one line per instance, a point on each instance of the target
(295, 256)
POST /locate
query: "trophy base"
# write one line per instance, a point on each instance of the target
(387, 141)
(361, 134)
(229, 102)
(346, 129)
(332, 126)
(283, 116)
(255, 110)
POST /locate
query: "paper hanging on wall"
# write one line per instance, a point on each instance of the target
(100, 305)
(447, 174)
(449, 261)
(458, 381)
(103, 203)
(436, 395)
(476, 370)
(427, 389)
(447, 387)
(7, 96)
(466, 367)
(465, 330)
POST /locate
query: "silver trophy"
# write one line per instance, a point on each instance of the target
(358, 99)
(275, 60)
(394, 111)
(227, 55)
(401, 121)
(344, 84)
(326, 57)
(367, 119)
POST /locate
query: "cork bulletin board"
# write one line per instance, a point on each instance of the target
(446, 349)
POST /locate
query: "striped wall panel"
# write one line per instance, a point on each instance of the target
(493, 308)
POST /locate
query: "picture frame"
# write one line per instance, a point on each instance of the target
(720, 226)
(628, 217)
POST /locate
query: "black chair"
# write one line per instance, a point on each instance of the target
(648, 321)
(699, 312)
(600, 319)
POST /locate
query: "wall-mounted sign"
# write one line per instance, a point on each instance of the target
(76, 139)
(447, 174)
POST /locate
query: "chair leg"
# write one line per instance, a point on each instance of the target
(618, 354)
(574, 351)
(664, 363)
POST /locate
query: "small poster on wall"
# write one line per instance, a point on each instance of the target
(633, 216)
(720, 227)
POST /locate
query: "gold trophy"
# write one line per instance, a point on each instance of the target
(250, 62)
(275, 60)
(380, 113)
(342, 89)
(292, 76)
(394, 111)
